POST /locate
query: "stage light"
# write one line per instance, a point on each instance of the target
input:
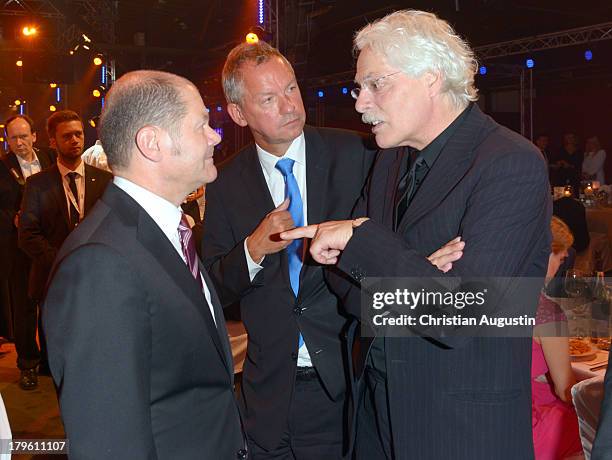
(482, 70)
(251, 38)
(86, 47)
(71, 52)
(17, 102)
(19, 63)
(86, 38)
(28, 31)
(344, 90)
(52, 108)
(96, 93)
(320, 93)
(260, 11)
(588, 55)
(97, 60)
(52, 85)
(219, 108)
(92, 122)
(1, 139)
(530, 63)
(58, 94)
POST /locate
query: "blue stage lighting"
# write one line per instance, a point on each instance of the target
(260, 11)
(219, 108)
(483, 70)
(588, 55)
(345, 90)
(58, 94)
(530, 63)
(320, 94)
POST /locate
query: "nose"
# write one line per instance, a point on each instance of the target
(287, 105)
(363, 102)
(213, 137)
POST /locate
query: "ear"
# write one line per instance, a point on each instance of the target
(149, 143)
(52, 143)
(433, 80)
(236, 114)
(33, 137)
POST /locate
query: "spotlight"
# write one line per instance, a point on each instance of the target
(482, 70)
(86, 47)
(52, 108)
(28, 31)
(320, 93)
(17, 102)
(219, 108)
(251, 38)
(530, 63)
(19, 63)
(52, 85)
(97, 60)
(344, 90)
(92, 122)
(96, 93)
(588, 55)
(86, 38)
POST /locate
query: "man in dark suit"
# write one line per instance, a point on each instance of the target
(22, 161)
(137, 340)
(457, 173)
(54, 202)
(602, 446)
(294, 378)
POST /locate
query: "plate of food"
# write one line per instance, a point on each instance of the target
(601, 343)
(581, 349)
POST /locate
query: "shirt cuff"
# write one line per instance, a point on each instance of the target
(253, 267)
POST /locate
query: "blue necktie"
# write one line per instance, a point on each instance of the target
(296, 209)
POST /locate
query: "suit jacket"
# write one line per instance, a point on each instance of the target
(141, 368)
(11, 191)
(602, 446)
(468, 398)
(337, 163)
(45, 222)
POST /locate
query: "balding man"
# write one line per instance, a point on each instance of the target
(138, 346)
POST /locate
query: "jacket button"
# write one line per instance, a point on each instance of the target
(241, 454)
(297, 310)
(294, 355)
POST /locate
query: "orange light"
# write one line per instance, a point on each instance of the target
(71, 52)
(96, 93)
(92, 122)
(52, 85)
(17, 102)
(1, 139)
(52, 108)
(252, 38)
(97, 60)
(19, 63)
(28, 31)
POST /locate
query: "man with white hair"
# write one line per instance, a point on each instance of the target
(447, 170)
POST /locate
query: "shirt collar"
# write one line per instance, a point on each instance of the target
(432, 151)
(80, 170)
(24, 163)
(165, 214)
(296, 151)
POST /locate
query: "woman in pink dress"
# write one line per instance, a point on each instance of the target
(554, 422)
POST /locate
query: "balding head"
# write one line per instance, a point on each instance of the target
(137, 99)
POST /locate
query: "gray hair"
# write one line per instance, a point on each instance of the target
(137, 99)
(231, 77)
(417, 42)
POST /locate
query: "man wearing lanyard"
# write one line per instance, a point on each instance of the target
(54, 202)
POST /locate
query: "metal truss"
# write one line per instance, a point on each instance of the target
(40, 8)
(561, 39)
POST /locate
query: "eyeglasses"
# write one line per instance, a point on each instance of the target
(374, 86)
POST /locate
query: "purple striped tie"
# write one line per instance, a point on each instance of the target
(189, 250)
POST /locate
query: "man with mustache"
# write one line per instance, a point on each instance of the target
(446, 170)
(54, 202)
(295, 374)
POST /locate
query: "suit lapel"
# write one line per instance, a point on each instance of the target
(156, 243)
(14, 164)
(220, 319)
(58, 192)
(450, 167)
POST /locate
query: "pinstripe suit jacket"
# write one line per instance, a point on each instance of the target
(462, 399)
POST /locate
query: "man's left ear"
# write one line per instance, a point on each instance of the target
(434, 82)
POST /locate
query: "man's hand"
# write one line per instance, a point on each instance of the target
(451, 252)
(328, 238)
(265, 238)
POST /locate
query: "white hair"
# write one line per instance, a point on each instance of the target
(417, 42)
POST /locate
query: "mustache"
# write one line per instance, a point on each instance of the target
(368, 118)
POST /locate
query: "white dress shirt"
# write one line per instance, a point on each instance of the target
(166, 216)
(28, 167)
(79, 201)
(276, 185)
